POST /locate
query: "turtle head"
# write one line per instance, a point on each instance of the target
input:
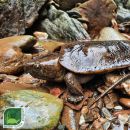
(47, 68)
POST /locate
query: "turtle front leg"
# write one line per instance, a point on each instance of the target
(73, 84)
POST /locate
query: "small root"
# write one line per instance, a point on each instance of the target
(111, 87)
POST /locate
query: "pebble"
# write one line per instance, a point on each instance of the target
(97, 124)
(9, 86)
(123, 15)
(125, 102)
(123, 118)
(70, 118)
(84, 110)
(84, 126)
(106, 125)
(89, 118)
(82, 120)
(109, 33)
(41, 36)
(106, 113)
(118, 108)
(121, 112)
(109, 104)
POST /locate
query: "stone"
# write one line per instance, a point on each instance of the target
(125, 28)
(123, 15)
(59, 26)
(70, 118)
(109, 104)
(98, 124)
(118, 108)
(106, 125)
(109, 33)
(119, 2)
(9, 86)
(84, 110)
(40, 36)
(123, 119)
(42, 110)
(61, 127)
(24, 82)
(107, 113)
(17, 15)
(121, 112)
(84, 126)
(12, 57)
(14, 65)
(125, 102)
(127, 4)
(82, 120)
(24, 42)
(89, 117)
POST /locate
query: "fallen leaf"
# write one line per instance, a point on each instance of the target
(98, 12)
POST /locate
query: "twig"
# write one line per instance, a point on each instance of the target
(111, 87)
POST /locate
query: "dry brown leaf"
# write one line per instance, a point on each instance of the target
(98, 12)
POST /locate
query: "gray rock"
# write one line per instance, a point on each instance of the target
(17, 15)
(124, 3)
(106, 125)
(127, 5)
(107, 113)
(123, 15)
(119, 2)
(59, 25)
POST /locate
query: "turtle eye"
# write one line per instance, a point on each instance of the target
(36, 67)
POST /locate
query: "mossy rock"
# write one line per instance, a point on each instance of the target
(42, 110)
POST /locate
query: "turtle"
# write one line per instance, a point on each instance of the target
(78, 62)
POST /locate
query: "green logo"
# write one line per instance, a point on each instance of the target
(13, 117)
